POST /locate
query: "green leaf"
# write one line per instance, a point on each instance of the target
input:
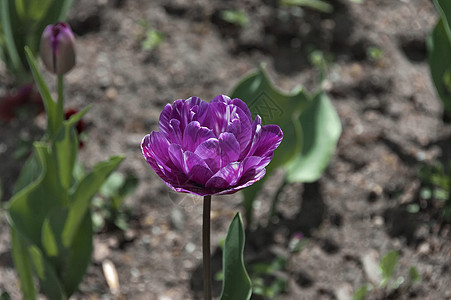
(237, 17)
(23, 266)
(29, 173)
(80, 199)
(79, 256)
(361, 292)
(153, 40)
(321, 129)
(49, 283)
(439, 47)
(54, 118)
(32, 11)
(30, 206)
(444, 8)
(65, 149)
(52, 229)
(112, 184)
(388, 266)
(237, 284)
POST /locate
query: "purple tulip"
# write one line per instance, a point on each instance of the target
(210, 148)
(58, 48)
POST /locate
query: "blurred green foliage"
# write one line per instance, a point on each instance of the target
(387, 269)
(437, 186)
(108, 208)
(236, 17)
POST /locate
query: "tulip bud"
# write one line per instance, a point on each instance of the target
(58, 48)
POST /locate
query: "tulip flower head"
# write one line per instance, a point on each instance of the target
(58, 48)
(210, 148)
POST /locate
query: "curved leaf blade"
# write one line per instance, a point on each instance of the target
(80, 199)
(22, 264)
(237, 284)
(321, 129)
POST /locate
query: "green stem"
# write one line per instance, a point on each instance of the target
(60, 97)
(206, 256)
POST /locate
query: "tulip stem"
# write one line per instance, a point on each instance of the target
(61, 97)
(206, 257)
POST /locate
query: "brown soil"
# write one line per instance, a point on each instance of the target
(392, 124)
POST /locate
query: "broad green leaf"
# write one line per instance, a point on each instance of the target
(321, 129)
(439, 48)
(49, 283)
(80, 199)
(29, 173)
(237, 284)
(79, 256)
(23, 266)
(54, 118)
(388, 266)
(30, 206)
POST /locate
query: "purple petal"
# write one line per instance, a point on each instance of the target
(244, 137)
(217, 118)
(177, 157)
(269, 139)
(175, 134)
(225, 177)
(201, 113)
(222, 99)
(252, 167)
(165, 117)
(238, 102)
(194, 135)
(229, 148)
(245, 182)
(155, 145)
(255, 135)
(198, 170)
(209, 151)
